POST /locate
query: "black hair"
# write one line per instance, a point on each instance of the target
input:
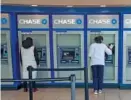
(96, 39)
(29, 40)
(99, 39)
(27, 43)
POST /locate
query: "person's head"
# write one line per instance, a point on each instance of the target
(96, 39)
(29, 40)
(27, 43)
(99, 39)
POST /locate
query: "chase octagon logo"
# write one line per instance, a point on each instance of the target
(4, 21)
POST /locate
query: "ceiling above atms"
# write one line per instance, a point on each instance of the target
(68, 2)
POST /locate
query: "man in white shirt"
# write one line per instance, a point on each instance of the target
(97, 55)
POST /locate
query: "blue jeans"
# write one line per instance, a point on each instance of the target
(97, 73)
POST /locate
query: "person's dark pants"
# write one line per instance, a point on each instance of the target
(25, 85)
(97, 73)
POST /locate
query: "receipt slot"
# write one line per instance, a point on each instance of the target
(6, 58)
(69, 52)
(111, 62)
(127, 57)
(41, 42)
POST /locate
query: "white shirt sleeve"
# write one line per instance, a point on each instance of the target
(91, 51)
(108, 51)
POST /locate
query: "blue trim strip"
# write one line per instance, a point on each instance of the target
(68, 29)
(51, 47)
(63, 84)
(85, 42)
(120, 51)
(101, 29)
(14, 49)
(33, 29)
(67, 13)
(5, 29)
(73, 10)
(127, 29)
(27, 13)
(104, 13)
(9, 87)
(125, 86)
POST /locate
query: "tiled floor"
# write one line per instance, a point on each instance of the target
(64, 94)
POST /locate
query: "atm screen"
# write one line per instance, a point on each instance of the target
(109, 59)
(129, 55)
(68, 55)
(42, 54)
(4, 52)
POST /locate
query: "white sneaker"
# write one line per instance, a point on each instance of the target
(100, 91)
(95, 92)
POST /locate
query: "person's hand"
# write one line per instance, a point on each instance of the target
(111, 46)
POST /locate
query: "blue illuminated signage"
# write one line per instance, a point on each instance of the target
(4, 21)
(32, 21)
(44, 21)
(127, 20)
(79, 21)
(114, 21)
(129, 55)
(67, 21)
(102, 21)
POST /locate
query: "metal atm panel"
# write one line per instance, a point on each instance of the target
(41, 41)
(127, 57)
(111, 65)
(6, 58)
(69, 52)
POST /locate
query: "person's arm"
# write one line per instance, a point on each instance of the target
(36, 56)
(91, 51)
(108, 51)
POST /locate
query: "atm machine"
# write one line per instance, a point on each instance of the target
(127, 49)
(36, 26)
(127, 57)
(108, 27)
(69, 52)
(6, 54)
(111, 62)
(6, 58)
(41, 42)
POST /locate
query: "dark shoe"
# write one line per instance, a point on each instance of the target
(35, 89)
(25, 89)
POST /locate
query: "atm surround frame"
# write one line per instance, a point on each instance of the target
(125, 33)
(13, 10)
(14, 61)
(72, 32)
(40, 29)
(116, 53)
(7, 33)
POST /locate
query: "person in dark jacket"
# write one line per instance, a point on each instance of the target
(28, 57)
